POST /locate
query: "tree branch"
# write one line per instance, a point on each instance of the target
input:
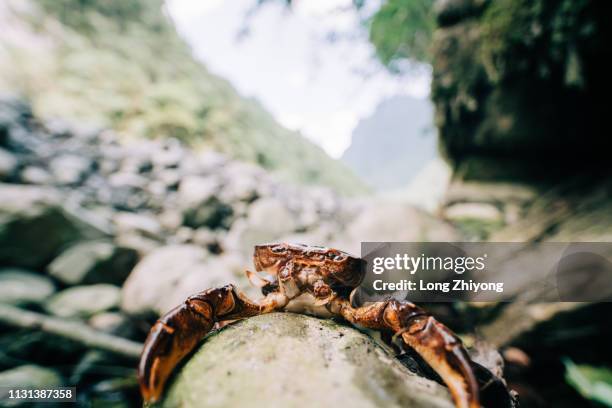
(73, 330)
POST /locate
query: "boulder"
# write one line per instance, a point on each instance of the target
(149, 284)
(19, 286)
(84, 301)
(168, 275)
(29, 213)
(93, 262)
(30, 376)
(380, 221)
(290, 360)
(268, 219)
(8, 164)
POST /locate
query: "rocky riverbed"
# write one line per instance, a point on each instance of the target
(110, 232)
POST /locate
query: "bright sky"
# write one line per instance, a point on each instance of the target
(310, 84)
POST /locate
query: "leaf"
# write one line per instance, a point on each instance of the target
(593, 383)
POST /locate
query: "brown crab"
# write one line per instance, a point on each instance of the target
(313, 280)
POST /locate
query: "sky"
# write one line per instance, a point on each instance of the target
(285, 59)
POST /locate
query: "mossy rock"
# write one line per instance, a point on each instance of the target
(289, 360)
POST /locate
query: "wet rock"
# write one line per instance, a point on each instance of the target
(84, 301)
(18, 286)
(147, 288)
(8, 164)
(248, 364)
(29, 213)
(30, 376)
(93, 262)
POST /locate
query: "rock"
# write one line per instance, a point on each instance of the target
(127, 180)
(194, 190)
(29, 213)
(8, 164)
(217, 271)
(393, 222)
(137, 242)
(204, 237)
(84, 301)
(111, 322)
(140, 223)
(271, 214)
(30, 376)
(35, 175)
(212, 213)
(201, 207)
(149, 284)
(268, 219)
(69, 169)
(290, 360)
(170, 219)
(494, 193)
(93, 262)
(479, 211)
(183, 235)
(18, 286)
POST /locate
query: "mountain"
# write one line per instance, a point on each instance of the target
(392, 145)
(121, 64)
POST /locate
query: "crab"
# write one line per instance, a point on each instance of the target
(312, 280)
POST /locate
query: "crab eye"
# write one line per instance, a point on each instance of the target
(279, 250)
(335, 257)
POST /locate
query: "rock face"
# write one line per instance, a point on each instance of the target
(289, 360)
(518, 88)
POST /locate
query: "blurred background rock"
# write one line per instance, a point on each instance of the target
(133, 177)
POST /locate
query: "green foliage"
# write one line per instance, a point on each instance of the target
(551, 32)
(403, 29)
(122, 64)
(593, 383)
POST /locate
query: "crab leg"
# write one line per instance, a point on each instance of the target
(433, 341)
(177, 333)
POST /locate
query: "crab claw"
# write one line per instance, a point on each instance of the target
(439, 347)
(325, 300)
